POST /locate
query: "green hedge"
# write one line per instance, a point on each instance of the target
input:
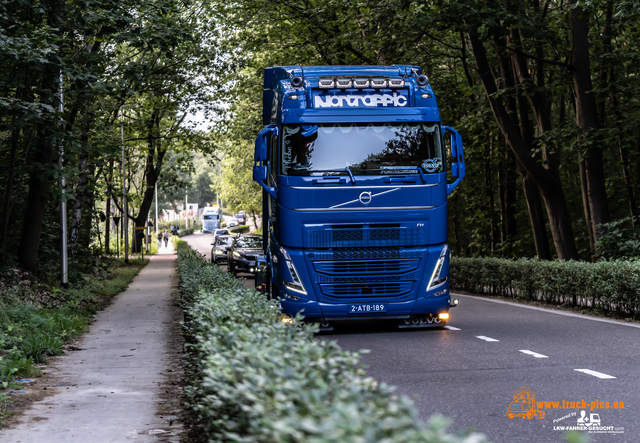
(607, 286)
(256, 379)
(185, 232)
(240, 229)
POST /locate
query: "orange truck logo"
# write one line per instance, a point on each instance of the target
(524, 405)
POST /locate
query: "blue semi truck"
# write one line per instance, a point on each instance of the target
(353, 165)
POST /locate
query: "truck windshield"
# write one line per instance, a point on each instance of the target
(373, 148)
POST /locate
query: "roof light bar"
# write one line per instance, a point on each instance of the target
(360, 83)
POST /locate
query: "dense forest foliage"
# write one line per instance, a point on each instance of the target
(95, 95)
(544, 93)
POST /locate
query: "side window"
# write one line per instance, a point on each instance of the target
(273, 159)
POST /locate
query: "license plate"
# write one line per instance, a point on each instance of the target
(252, 263)
(367, 308)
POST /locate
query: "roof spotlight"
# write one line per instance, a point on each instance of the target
(344, 83)
(423, 80)
(326, 83)
(297, 81)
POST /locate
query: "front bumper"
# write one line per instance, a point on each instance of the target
(313, 310)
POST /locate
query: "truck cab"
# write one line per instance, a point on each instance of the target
(353, 162)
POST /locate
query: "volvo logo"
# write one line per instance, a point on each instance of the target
(365, 198)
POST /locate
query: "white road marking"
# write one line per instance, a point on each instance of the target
(594, 373)
(482, 337)
(451, 328)
(533, 354)
(550, 311)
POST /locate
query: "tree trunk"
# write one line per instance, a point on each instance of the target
(37, 198)
(587, 117)
(9, 196)
(493, 227)
(549, 185)
(78, 202)
(585, 206)
(536, 216)
(155, 157)
(507, 192)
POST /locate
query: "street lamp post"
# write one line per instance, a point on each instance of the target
(63, 203)
(124, 196)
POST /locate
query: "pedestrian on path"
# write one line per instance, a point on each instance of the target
(159, 240)
(166, 239)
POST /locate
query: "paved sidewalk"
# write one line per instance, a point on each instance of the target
(113, 389)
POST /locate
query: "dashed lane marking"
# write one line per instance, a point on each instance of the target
(451, 328)
(533, 354)
(595, 373)
(482, 337)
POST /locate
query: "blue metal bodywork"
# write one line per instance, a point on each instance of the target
(354, 239)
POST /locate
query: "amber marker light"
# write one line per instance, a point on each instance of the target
(287, 320)
(443, 316)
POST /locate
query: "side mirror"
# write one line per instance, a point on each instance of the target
(261, 157)
(458, 171)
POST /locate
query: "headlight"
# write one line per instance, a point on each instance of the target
(435, 279)
(237, 254)
(295, 285)
(218, 252)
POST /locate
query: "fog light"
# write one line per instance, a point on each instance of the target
(293, 97)
(443, 316)
(426, 95)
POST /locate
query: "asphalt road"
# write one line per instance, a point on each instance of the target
(470, 373)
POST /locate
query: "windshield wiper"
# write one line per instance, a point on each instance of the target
(418, 168)
(351, 176)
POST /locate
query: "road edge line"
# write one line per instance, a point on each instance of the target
(551, 311)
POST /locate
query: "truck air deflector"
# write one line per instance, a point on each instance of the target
(411, 115)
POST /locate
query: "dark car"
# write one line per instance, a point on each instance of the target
(241, 219)
(244, 253)
(218, 232)
(220, 248)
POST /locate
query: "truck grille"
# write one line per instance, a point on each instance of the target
(364, 254)
(364, 236)
(365, 267)
(352, 273)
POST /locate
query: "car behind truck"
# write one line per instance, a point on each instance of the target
(353, 166)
